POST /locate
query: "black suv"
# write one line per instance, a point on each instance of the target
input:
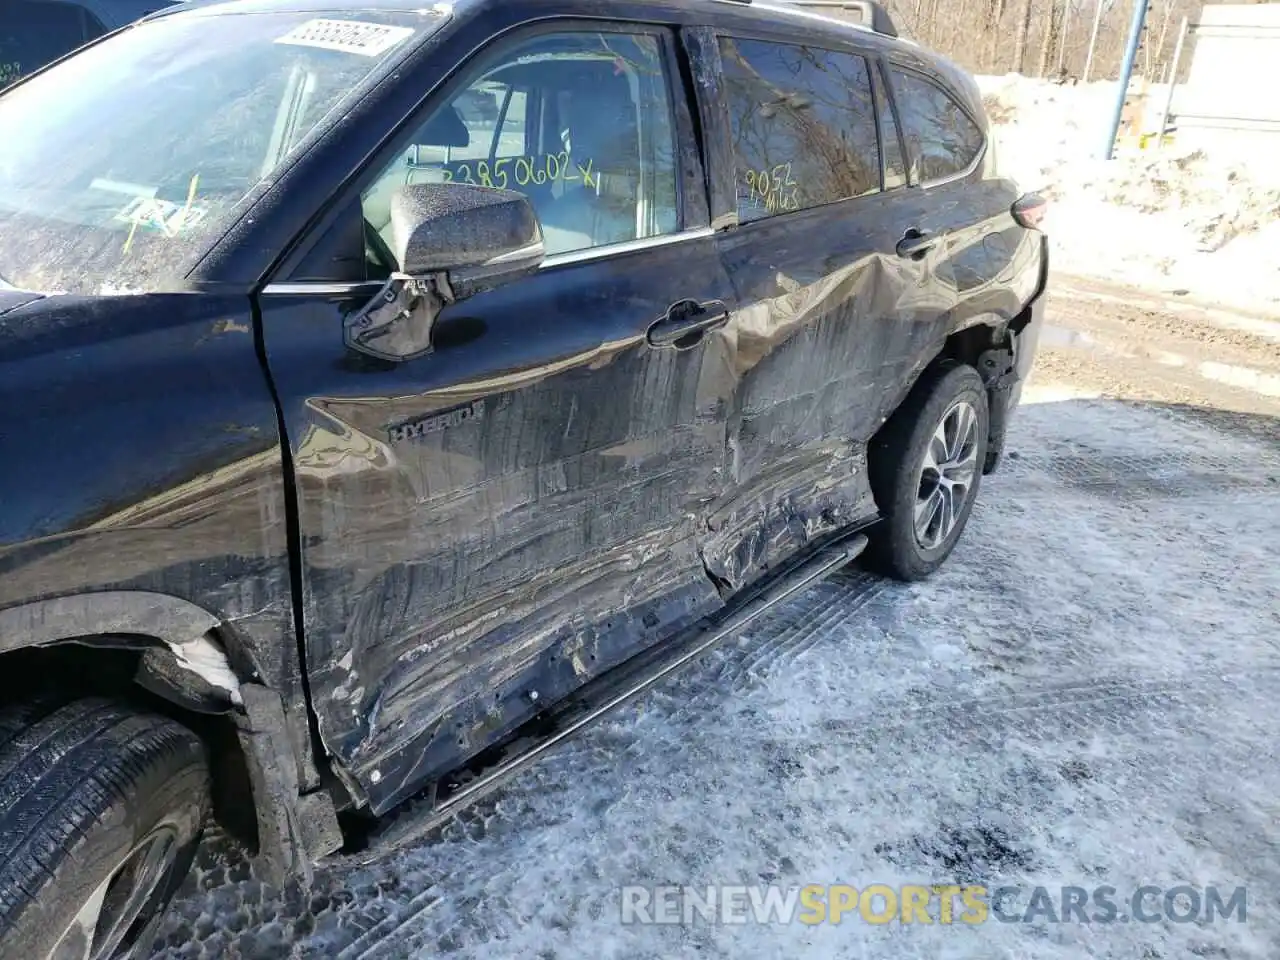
(34, 33)
(390, 391)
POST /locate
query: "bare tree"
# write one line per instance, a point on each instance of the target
(995, 14)
(1046, 43)
(996, 36)
(1024, 30)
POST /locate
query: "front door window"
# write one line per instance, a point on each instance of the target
(580, 123)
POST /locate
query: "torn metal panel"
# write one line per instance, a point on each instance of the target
(466, 694)
(293, 831)
(783, 509)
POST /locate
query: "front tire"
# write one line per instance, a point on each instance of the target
(101, 809)
(926, 467)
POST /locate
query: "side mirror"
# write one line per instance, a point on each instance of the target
(480, 236)
(452, 241)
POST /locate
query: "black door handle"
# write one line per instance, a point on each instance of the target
(915, 243)
(686, 322)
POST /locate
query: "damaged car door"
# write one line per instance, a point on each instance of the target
(829, 334)
(499, 506)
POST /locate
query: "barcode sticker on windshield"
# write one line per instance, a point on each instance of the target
(348, 36)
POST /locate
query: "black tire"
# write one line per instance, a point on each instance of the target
(896, 459)
(81, 786)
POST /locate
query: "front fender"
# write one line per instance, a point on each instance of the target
(179, 624)
(141, 612)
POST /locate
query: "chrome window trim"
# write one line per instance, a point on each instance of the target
(622, 249)
(320, 288)
(316, 288)
(959, 175)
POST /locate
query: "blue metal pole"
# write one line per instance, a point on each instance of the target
(1126, 73)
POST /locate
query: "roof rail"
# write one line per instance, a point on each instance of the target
(867, 13)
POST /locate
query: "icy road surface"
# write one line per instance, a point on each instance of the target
(1086, 695)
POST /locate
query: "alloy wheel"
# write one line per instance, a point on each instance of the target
(946, 475)
(119, 911)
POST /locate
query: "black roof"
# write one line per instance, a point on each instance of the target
(770, 9)
(728, 12)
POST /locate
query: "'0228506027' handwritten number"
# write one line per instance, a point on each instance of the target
(522, 171)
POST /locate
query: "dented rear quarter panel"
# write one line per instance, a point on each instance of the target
(832, 327)
(831, 336)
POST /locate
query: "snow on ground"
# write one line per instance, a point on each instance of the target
(1166, 220)
(1085, 695)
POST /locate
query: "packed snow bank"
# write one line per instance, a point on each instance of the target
(1170, 219)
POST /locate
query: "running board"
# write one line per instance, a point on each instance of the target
(603, 695)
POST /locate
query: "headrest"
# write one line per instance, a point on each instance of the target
(446, 129)
(603, 122)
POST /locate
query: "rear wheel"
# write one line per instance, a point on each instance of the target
(926, 466)
(101, 808)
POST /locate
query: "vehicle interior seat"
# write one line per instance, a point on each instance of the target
(604, 139)
(445, 129)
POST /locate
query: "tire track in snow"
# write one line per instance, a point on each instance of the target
(1127, 478)
(1111, 704)
(790, 632)
(373, 944)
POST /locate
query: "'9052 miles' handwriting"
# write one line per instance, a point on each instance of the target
(774, 188)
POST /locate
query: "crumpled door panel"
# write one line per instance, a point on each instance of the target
(829, 337)
(489, 525)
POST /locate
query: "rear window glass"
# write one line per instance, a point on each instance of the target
(803, 123)
(941, 138)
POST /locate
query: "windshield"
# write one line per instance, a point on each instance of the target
(121, 164)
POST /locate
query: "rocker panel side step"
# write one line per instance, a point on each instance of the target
(605, 694)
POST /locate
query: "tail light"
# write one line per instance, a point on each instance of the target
(1030, 210)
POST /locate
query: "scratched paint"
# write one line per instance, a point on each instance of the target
(461, 571)
(537, 497)
(466, 568)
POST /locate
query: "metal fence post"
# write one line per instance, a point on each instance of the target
(1126, 74)
(1173, 83)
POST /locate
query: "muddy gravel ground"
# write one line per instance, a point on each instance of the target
(1084, 697)
(1119, 343)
